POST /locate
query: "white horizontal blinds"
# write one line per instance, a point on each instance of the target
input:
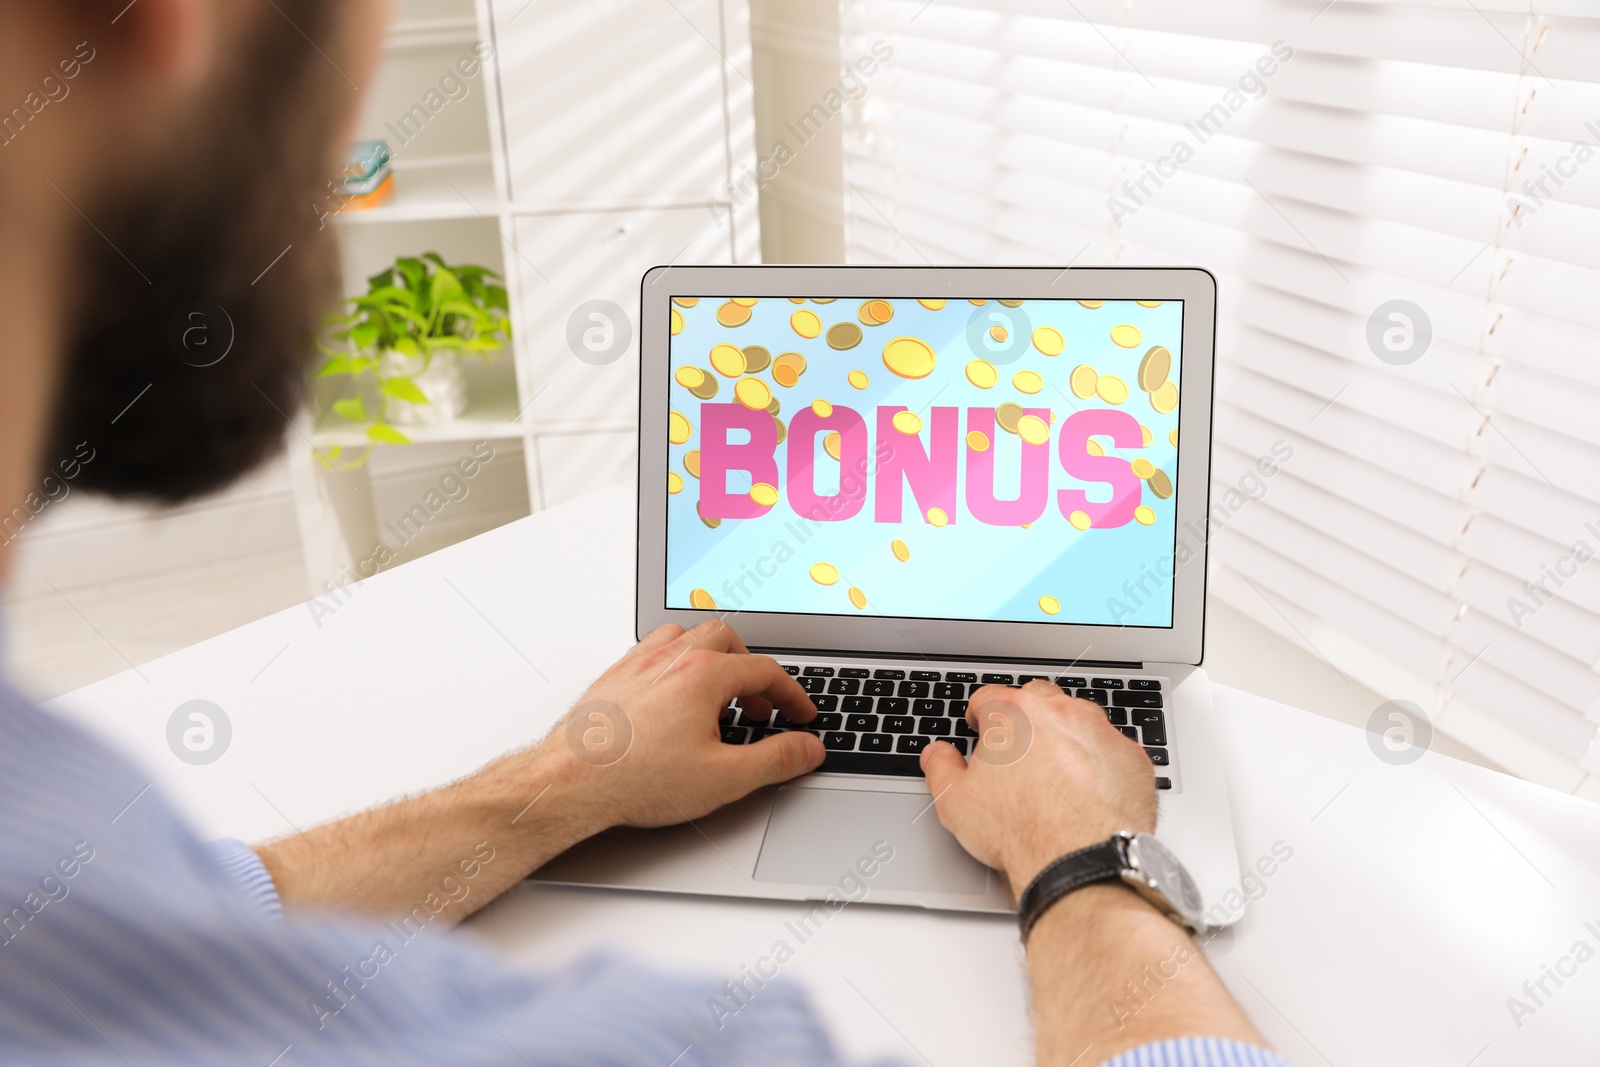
(1322, 160)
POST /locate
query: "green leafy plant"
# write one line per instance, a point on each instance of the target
(416, 309)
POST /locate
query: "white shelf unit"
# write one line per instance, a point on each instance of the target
(598, 140)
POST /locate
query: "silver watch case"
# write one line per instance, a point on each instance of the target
(1152, 871)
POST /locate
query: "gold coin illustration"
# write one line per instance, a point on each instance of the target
(1160, 484)
(756, 359)
(797, 300)
(977, 441)
(824, 573)
(858, 598)
(764, 494)
(1144, 431)
(677, 322)
(832, 443)
(1148, 303)
(1083, 381)
(1165, 399)
(908, 357)
(822, 408)
(998, 334)
(1092, 303)
(907, 422)
(1049, 605)
(712, 523)
(1079, 520)
(1125, 336)
(823, 299)
(981, 372)
(1033, 429)
(701, 600)
(1048, 340)
(1154, 368)
(780, 428)
(690, 378)
(901, 552)
(1007, 415)
(857, 379)
(727, 360)
(1027, 381)
(1011, 303)
(977, 303)
(843, 336)
(678, 428)
(806, 323)
(1144, 515)
(1112, 390)
(1094, 448)
(691, 462)
(773, 407)
(875, 312)
(753, 393)
(744, 301)
(706, 389)
(686, 301)
(932, 305)
(937, 517)
(1173, 437)
(731, 314)
(1142, 468)
(674, 482)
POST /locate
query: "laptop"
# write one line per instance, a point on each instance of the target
(903, 484)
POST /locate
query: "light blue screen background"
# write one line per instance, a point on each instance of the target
(966, 569)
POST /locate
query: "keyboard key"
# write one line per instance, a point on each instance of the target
(878, 688)
(1072, 680)
(761, 733)
(934, 727)
(893, 706)
(1118, 716)
(850, 687)
(838, 741)
(1026, 678)
(1107, 683)
(854, 672)
(734, 735)
(1155, 733)
(962, 744)
(927, 707)
(1130, 733)
(898, 724)
(876, 743)
(911, 689)
(889, 673)
(726, 718)
(827, 720)
(818, 672)
(949, 690)
(1099, 696)
(960, 676)
(813, 685)
(997, 679)
(858, 705)
(825, 701)
(790, 668)
(873, 763)
(957, 709)
(1163, 783)
(1129, 699)
(963, 728)
(780, 721)
(861, 724)
(925, 676)
(1158, 756)
(1144, 683)
(910, 743)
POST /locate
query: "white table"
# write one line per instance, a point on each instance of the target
(1418, 898)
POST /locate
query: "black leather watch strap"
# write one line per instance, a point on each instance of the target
(1097, 863)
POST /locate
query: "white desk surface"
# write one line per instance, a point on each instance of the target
(1418, 898)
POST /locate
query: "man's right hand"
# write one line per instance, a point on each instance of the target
(1050, 775)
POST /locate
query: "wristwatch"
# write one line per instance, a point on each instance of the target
(1142, 863)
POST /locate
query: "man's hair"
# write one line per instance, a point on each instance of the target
(220, 250)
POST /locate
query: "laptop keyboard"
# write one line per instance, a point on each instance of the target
(877, 720)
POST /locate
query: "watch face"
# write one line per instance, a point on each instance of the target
(1166, 875)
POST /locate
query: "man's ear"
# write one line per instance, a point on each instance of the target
(172, 43)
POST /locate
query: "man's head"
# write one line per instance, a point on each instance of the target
(192, 150)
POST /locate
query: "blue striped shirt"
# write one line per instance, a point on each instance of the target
(126, 940)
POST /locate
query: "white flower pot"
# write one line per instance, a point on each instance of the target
(441, 381)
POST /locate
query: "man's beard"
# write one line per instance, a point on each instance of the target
(202, 288)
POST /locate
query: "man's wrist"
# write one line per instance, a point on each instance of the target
(542, 795)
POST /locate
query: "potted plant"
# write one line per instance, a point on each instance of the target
(403, 340)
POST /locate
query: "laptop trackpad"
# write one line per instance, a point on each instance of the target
(818, 836)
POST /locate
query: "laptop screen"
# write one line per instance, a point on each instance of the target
(988, 460)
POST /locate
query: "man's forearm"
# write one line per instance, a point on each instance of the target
(1110, 973)
(450, 851)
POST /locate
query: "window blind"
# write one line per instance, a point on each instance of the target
(1401, 202)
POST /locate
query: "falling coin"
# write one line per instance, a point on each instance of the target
(686, 301)
(701, 600)
(753, 393)
(998, 334)
(727, 360)
(1033, 429)
(731, 314)
(691, 462)
(823, 299)
(706, 389)
(712, 523)
(678, 428)
(756, 359)
(977, 441)
(937, 517)
(1049, 605)
(1084, 378)
(1160, 484)
(832, 443)
(858, 598)
(764, 494)
(1079, 520)
(875, 312)
(787, 368)
(907, 422)
(908, 357)
(1011, 303)
(677, 322)
(822, 408)
(674, 482)
(981, 372)
(1154, 368)
(1092, 303)
(1148, 303)
(901, 552)
(1142, 468)
(690, 378)
(1144, 515)
(1165, 399)
(1007, 415)
(797, 300)
(1112, 390)
(1173, 437)
(1125, 336)
(744, 301)
(1027, 381)
(824, 573)
(1048, 340)
(1144, 431)
(781, 430)
(932, 305)
(857, 379)
(843, 336)
(1094, 448)
(976, 303)
(773, 407)
(805, 323)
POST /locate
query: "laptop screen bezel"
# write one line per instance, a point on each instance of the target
(1182, 642)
